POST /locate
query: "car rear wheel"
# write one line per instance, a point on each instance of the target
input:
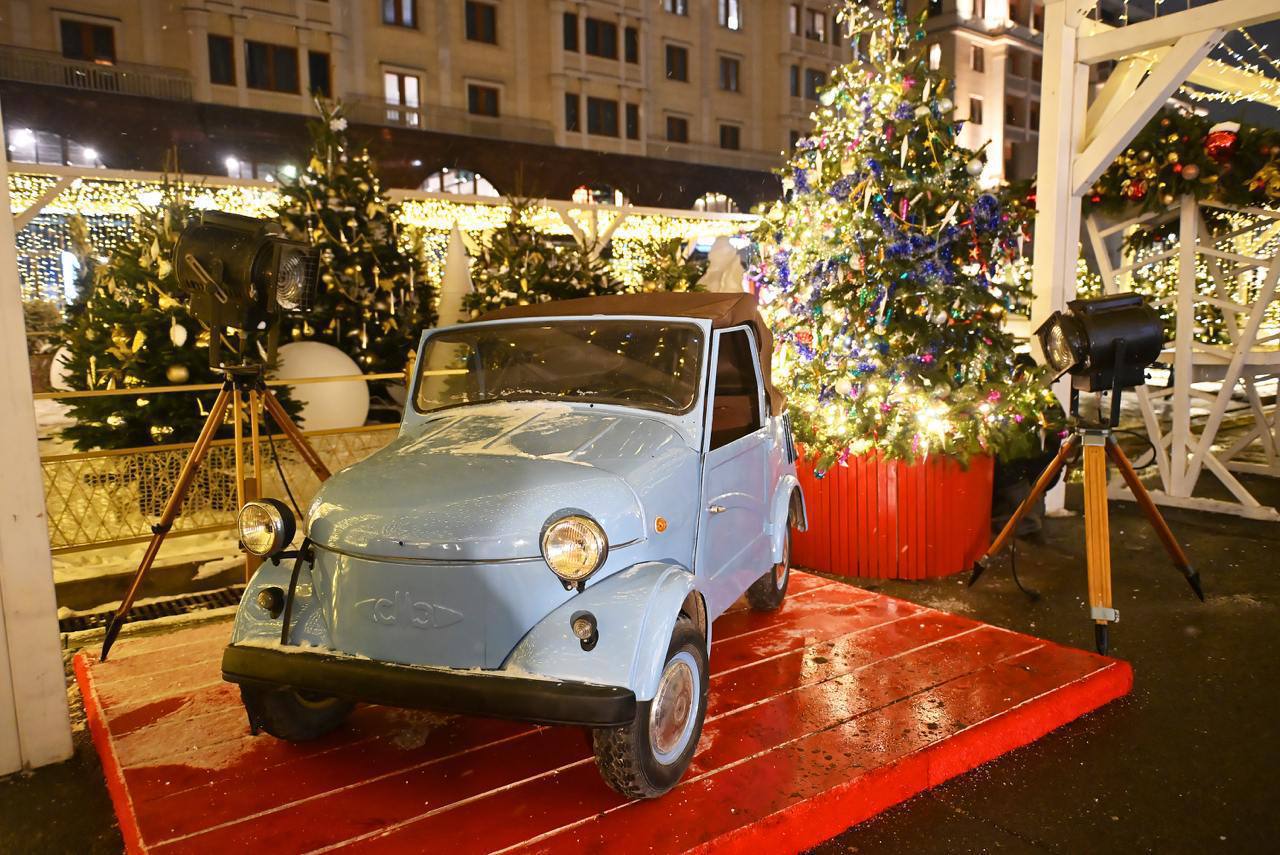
(292, 715)
(644, 759)
(767, 593)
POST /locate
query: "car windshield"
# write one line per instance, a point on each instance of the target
(649, 364)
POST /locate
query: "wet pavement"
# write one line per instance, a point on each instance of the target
(1186, 763)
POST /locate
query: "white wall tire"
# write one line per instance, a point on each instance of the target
(767, 593)
(646, 758)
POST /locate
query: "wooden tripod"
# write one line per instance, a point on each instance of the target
(1099, 446)
(242, 387)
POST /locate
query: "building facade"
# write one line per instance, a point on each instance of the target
(542, 97)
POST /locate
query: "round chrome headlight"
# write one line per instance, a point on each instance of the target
(574, 547)
(266, 526)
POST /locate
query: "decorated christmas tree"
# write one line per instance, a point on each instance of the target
(518, 265)
(374, 300)
(885, 269)
(129, 327)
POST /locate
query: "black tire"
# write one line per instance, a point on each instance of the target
(767, 593)
(293, 716)
(626, 755)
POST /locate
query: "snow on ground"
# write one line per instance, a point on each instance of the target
(213, 551)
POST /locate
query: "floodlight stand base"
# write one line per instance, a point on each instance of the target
(238, 381)
(1099, 446)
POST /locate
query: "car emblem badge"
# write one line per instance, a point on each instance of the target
(402, 608)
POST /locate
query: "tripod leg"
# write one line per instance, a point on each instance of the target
(253, 486)
(171, 508)
(1042, 484)
(1153, 515)
(295, 436)
(1097, 536)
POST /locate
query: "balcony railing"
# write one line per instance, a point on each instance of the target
(448, 120)
(122, 78)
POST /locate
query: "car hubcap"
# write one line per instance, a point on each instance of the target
(782, 569)
(671, 714)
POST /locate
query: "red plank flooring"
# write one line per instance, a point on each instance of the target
(834, 708)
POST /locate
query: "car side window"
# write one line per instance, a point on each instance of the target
(735, 412)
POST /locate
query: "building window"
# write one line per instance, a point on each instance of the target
(460, 181)
(631, 44)
(401, 90)
(677, 63)
(676, 7)
(482, 100)
(602, 117)
(1015, 12)
(1037, 67)
(400, 13)
(677, 129)
(730, 69)
(977, 58)
(793, 140)
(318, 70)
(717, 203)
(730, 137)
(633, 121)
(975, 111)
(730, 14)
(1037, 17)
(271, 67)
(602, 38)
(482, 22)
(1011, 113)
(88, 42)
(572, 111)
(571, 32)
(599, 194)
(935, 56)
(795, 81)
(813, 81)
(815, 25)
(222, 61)
(793, 19)
(1034, 119)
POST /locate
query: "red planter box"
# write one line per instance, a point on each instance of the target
(887, 519)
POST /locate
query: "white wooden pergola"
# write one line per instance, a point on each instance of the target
(1079, 139)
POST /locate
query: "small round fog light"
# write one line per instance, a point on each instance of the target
(271, 601)
(583, 626)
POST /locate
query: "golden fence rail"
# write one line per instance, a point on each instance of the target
(107, 498)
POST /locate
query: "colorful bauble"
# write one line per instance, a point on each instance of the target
(1222, 141)
(1191, 172)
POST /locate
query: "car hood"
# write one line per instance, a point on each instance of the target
(479, 484)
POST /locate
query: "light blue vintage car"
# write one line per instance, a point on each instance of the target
(578, 489)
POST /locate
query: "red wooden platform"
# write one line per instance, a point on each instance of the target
(838, 706)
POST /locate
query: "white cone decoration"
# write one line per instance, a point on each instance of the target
(724, 270)
(325, 406)
(456, 282)
(59, 373)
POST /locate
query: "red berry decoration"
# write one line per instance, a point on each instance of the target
(1222, 141)
(1137, 191)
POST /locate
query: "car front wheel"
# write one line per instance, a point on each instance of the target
(644, 759)
(767, 593)
(292, 715)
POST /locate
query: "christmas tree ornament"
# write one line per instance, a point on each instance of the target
(974, 167)
(1191, 172)
(177, 333)
(177, 373)
(1222, 141)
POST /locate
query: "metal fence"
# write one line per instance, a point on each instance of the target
(103, 498)
(51, 69)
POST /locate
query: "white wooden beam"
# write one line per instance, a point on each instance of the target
(25, 216)
(34, 725)
(1116, 92)
(1167, 29)
(1164, 79)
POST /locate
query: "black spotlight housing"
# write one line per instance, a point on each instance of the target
(242, 272)
(1103, 343)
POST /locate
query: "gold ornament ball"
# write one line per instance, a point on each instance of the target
(1172, 157)
(1166, 199)
(1144, 156)
(177, 373)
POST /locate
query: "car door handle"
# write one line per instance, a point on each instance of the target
(717, 509)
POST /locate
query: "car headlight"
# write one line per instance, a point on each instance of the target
(266, 526)
(574, 547)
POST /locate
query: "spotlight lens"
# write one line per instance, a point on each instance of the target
(262, 528)
(574, 547)
(292, 282)
(1058, 349)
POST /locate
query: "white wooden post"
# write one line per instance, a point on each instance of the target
(35, 728)
(1183, 341)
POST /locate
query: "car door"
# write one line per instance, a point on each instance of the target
(732, 538)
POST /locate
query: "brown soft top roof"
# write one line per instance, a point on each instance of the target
(722, 309)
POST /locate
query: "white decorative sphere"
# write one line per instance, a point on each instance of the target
(325, 406)
(946, 105)
(59, 373)
(974, 167)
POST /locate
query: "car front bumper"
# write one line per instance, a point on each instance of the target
(483, 693)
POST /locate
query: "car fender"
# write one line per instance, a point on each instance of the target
(306, 618)
(635, 612)
(779, 516)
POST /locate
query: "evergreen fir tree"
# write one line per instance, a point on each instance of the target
(374, 298)
(666, 267)
(519, 265)
(885, 270)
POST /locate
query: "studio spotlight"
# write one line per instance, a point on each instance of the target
(1104, 343)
